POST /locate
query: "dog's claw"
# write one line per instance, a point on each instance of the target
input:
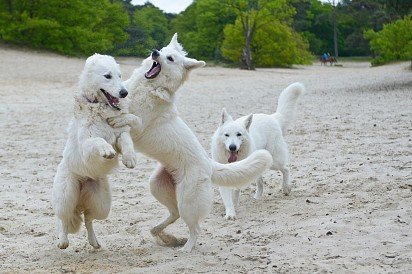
(117, 121)
(96, 246)
(129, 161)
(230, 213)
(63, 245)
(107, 152)
(230, 217)
(166, 239)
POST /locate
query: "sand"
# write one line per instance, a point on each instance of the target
(350, 209)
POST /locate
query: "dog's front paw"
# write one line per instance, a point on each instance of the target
(118, 121)
(230, 214)
(107, 151)
(130, 160)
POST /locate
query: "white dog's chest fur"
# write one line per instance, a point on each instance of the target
(163, 134)
(94, 117)
(90, 118)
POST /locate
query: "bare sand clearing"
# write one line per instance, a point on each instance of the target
(351, 160)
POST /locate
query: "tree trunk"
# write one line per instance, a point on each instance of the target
(335, 31)
(247, 55)
(9, 6)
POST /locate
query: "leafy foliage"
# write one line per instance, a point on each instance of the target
(313, 20)
(72, 27)
(262, 34)
(200, 27)
(148, 30)
(393, 42)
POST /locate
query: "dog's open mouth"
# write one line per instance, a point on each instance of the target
(153, 71)
(113, 101)
(232, 156)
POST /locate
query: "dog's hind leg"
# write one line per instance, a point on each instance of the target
(286, 186)
(162, 187)
(62, 230)
(259, 188)
(195, 199)
(226, 194)
(280, 154)
(96, 198)
(236, 196)
(91, 236)
(66, 192)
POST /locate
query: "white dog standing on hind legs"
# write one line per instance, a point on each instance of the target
(182, 181)
(91, 151)
(236, 139)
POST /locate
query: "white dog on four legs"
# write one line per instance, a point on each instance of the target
(236, 139)
(182, 181)
(91, 152)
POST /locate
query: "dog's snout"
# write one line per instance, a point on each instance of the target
(155, 54)
(123, 93)
(232, 147)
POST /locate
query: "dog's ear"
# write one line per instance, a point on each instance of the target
(191, 63)
(225, 117)
(248, 122)
(92, 59)
(176, 45)
(174, 41)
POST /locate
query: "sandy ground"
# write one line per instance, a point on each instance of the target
(351, 160)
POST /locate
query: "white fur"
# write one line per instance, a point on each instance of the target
(91, 152)
(252, 132)
(182, 181)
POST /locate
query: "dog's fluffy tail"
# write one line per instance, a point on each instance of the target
(286, 111)
(241, 173)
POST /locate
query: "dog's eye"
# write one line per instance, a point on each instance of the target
(239, 134)
(227, 135)
(170, 58)
(108, 76)
(120, 76)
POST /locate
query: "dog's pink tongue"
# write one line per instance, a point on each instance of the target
(154, 70)
(232, 157)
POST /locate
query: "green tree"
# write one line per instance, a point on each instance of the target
(393, 42)
(200, 27)
(71, 27)
(313, 20)
(148, 30)
(261, 28)
(153, 24)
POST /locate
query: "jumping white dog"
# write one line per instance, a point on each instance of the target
(236, 140)
(182, 181)
(91, 152)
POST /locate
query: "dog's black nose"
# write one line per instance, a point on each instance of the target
(232, 147)
(155, 53)
(123, 93)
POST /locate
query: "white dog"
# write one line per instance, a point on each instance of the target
(236, 140)
(182, 181)
(81, 185)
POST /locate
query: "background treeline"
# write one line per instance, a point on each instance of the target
(245, 32)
